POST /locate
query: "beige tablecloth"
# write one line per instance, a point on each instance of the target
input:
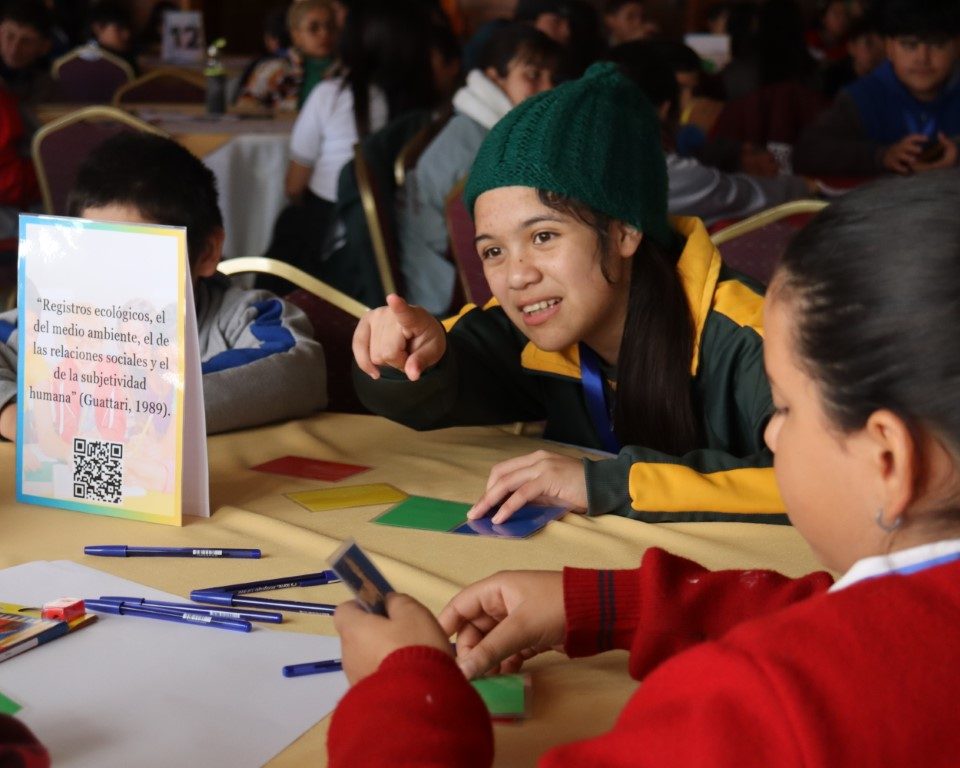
(571, 699)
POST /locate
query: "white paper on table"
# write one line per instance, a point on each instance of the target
(127, 691)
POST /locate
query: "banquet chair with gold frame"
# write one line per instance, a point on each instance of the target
(332, 313)
(163, 85)
(379, 223)
(461, 233)
(410, 153)
(754, 246)
(89, 75)
(60, 147)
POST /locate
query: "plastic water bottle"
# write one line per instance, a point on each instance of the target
(216, 77)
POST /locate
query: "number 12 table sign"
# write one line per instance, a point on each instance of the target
(110, 413)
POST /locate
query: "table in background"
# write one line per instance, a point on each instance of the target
(247, 153)
(451, 464)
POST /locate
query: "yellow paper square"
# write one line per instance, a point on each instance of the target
(344, 497)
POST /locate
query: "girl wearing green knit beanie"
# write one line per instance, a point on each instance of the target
(618, 327)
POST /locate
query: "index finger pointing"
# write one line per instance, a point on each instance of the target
(404, 313)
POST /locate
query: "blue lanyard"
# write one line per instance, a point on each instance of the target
(928, 129)
(596, 399)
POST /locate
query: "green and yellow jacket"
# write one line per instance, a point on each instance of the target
(492, 374)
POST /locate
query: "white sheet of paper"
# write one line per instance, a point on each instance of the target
(127, 691)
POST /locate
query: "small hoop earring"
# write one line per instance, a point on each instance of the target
(888, 527)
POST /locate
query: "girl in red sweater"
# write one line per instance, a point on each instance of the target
(750, 668)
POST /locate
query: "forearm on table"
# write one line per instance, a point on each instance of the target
(283, 386)
(701, 485)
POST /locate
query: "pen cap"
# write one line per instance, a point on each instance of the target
(106, 550)
(212, 596)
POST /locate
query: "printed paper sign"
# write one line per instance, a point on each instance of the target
(182, 37)
(109, 405)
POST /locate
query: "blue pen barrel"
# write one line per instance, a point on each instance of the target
(122, 550)
(273, 617)
(312, 668)
(178, 616)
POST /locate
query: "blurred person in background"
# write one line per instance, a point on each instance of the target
(284, 80)
(518, 62)
(625, 22)
(25, 30)
(112, 30)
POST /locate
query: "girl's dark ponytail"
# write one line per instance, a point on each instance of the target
(654, 405)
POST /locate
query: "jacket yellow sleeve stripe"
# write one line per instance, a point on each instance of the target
(676, 488)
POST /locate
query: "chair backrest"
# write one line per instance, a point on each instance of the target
(380, 222)
(89, 75)
(365, 264)
(410, 152)
(60, 147)
(334, 317)
(754, 246)
(461, 231)
(163, 85)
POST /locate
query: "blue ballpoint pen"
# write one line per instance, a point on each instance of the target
(284, 582)
(216, 597)
(312, 668)
(234, 594)
(182, 617)
(121, 550)
(273, 617)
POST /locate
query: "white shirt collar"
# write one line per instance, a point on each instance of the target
(880, 565)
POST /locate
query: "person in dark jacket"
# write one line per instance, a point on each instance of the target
(904, 116)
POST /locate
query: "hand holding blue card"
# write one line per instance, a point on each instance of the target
(356, 570)
(527, 520)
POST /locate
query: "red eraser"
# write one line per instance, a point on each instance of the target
(64, 609)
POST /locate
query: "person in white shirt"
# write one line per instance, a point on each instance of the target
(384, 69)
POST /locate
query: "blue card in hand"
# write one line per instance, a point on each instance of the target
(356, 570)
(527, 520)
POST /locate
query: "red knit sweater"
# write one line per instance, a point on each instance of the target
(740, 668)
(18, 182)
(19, 748)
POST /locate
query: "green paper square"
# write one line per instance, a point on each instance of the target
(8, 706)
(504, 695)
(425, 513)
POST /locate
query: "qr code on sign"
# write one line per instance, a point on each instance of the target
(97, 470)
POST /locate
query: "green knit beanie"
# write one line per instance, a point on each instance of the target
(596, 140)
